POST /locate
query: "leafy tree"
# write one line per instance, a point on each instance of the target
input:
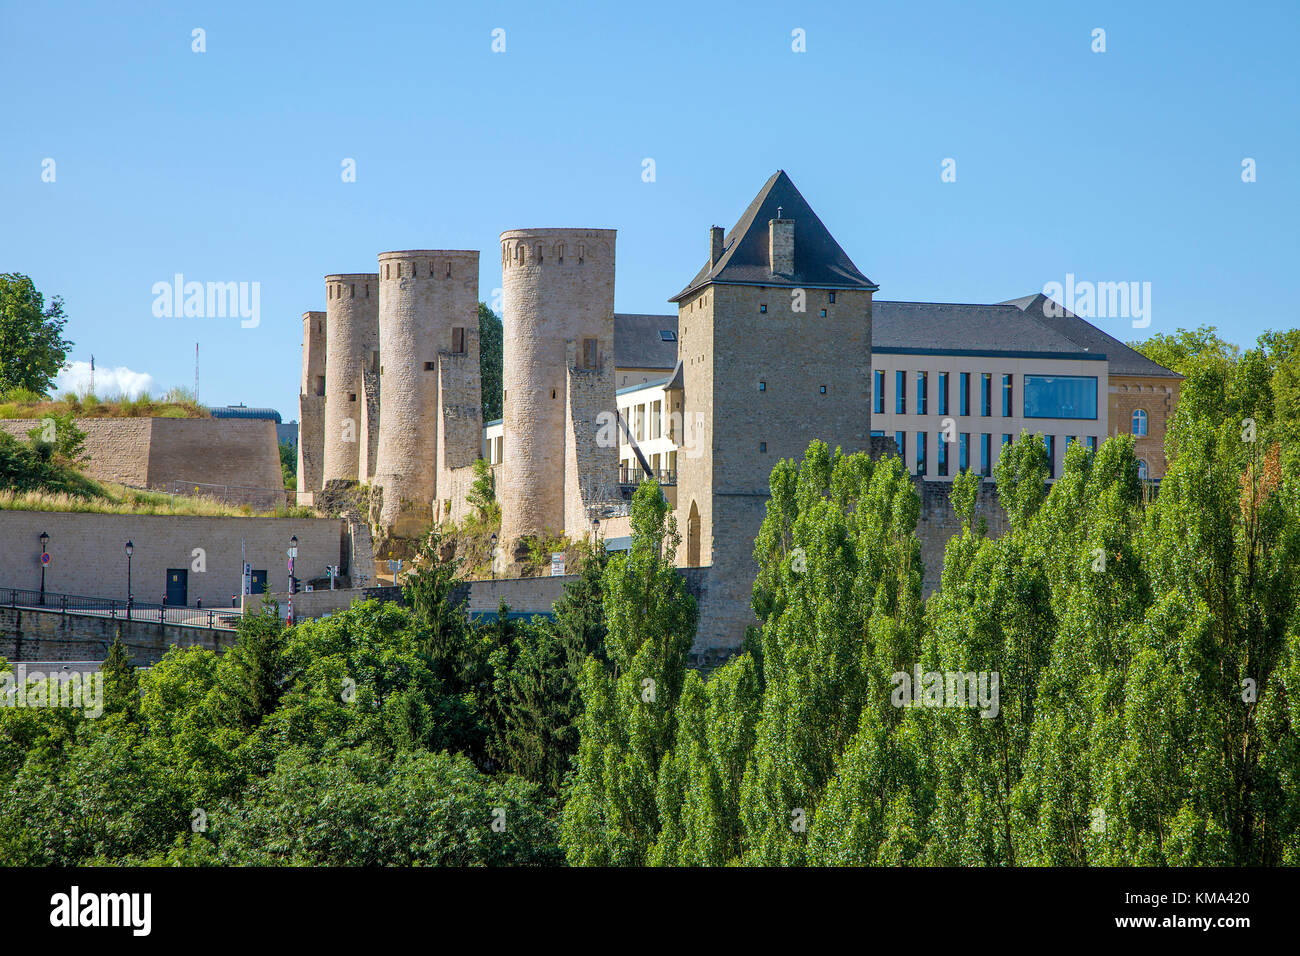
(289, 465)
(482, 493)
(32, 346)
(491, 348)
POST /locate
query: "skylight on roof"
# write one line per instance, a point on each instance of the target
(667, 335)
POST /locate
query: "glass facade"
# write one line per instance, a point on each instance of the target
(1060, 396)
(920, 453)
(986, 398)
(963, 451)
(941, 455)
(986, 454)
(900, 438)
(1006, 396)
(1050, 441)
(922, 393)
(879, 407)
(943, 393)
(963, 394)
(900, 393)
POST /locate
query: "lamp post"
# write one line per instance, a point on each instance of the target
(293, 553)
(130, 550)
(45, 557)
(492, 556)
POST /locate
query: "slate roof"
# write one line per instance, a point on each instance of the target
(638, 344)
(960, 328)
(1122, 359)
(819, 262)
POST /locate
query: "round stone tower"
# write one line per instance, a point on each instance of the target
(351, 342)
(428, 313)
(558, 318)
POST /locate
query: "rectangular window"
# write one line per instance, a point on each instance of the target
(656, 413)
(877, 434)
(458, 340)
(500, 442)
(941, 454)
(1050, 441)
(920, 453)
(986, 454)
(1060, 396)
(1091, 443)
(922, 393)
(588, 353)
(1006, 439)
(986, 398)
(900, 393)
(963, 451)
(879, 407)
(1006, 396)
(900, 438)
(943, 393)
(640, 423)
(963, 394)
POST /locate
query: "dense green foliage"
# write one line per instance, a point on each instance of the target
(490, 356)
(32, 346)
(289, 465)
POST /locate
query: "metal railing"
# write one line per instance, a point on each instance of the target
(636, 474)
(213, 619)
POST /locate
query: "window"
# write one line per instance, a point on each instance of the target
(1060, 396)
(762, 386)
(986, 399)
(900, 393)
(352, 396)
(900, 439)
(943, 393)
(1006, 439)
(1091, 443)
(1050, 441)
(500, 443)
(1006, 396)
(941, 454)
(920, 453)
(1143, 471)
(667, 335)
(879, 407)
(963, 451)
(832, 298)
(762, 446)
(877, 434)
(428, 366)
(823, 389)
(640, 423)
(1139, 422)
(986, 454)
(823, 313)
(963, 394)
(762, 308)
(458, 340)
(922, 393)
(656, 415)
(588, 353)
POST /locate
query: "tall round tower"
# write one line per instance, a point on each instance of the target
(351, 342)
(428, 316)
(558, 320)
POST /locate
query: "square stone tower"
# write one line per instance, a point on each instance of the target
(311, 408)
(774, 350)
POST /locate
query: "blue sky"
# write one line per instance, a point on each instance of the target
(226, 165)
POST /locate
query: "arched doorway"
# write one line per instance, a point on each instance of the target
(693, 537)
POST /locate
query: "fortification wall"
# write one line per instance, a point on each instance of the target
(559, 289)
(351, 339)
(117, 449)
(49, 636)
(590, 468)
(459, 423)
(88, 552)
(311, 407)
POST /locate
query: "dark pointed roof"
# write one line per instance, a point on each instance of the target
(819, 262)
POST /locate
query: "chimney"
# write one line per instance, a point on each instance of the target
(715, 245)
(780, 245)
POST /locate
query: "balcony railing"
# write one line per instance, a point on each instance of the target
(215, 619)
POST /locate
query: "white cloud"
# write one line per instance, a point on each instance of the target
(109, 382)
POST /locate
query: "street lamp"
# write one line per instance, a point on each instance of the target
(130, 550)
(492, 555)
(45, 539)
(293, 553)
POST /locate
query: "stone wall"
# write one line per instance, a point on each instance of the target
(590, 468)
(88, 552)
(1159, 398)
(311, 408)
(173, 454)
(27, 635)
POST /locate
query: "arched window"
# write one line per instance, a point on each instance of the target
(1142, 469)
(1139, 422)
